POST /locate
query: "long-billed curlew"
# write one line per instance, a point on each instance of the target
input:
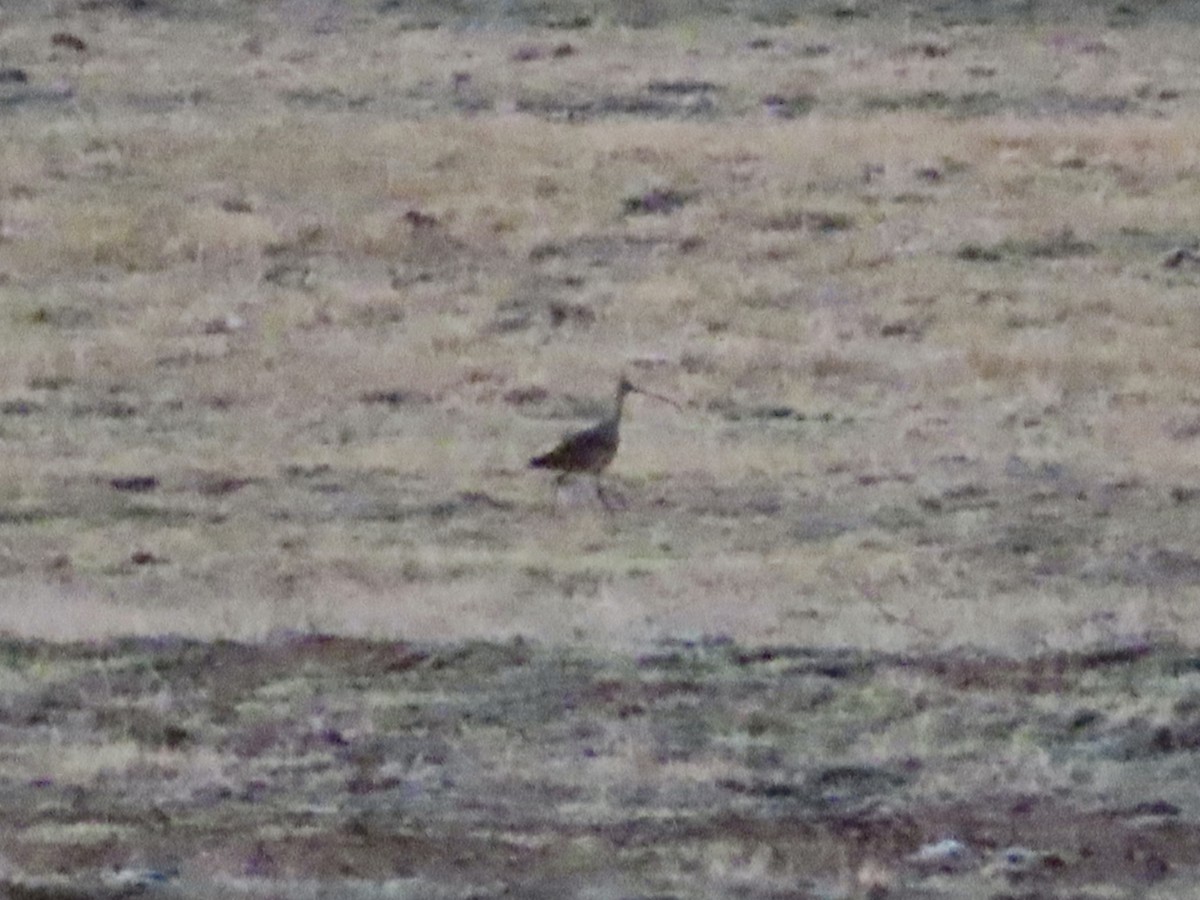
(592, 449)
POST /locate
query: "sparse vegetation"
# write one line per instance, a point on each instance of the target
(220, 769)
(289, 297)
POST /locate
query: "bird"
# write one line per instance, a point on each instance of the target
(592, 449)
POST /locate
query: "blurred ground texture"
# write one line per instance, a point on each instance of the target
(290, 293)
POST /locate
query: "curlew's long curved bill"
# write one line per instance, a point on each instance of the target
(658, 397)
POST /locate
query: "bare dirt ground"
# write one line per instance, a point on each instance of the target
(290, 295)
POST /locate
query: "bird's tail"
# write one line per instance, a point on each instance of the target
(541, 462)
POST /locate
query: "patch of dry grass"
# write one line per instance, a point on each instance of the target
(331, 284)
(219, 769)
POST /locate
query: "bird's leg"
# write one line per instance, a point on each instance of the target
(559, 480)
(603, 496)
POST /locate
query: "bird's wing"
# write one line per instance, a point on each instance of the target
(578, 447)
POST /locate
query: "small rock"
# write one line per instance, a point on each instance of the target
(136, 484)
(946, 856)
(227, 324)
(1018, 863)
(660, 201)
(68, 40)
(418, 219)
(1182, 256)
(525, 395)
(528, 53)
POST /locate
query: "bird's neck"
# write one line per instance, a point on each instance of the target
(616, 415)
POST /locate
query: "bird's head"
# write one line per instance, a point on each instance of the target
(625, 386)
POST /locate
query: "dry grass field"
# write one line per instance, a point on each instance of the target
(290, 293)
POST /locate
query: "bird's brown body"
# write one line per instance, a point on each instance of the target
(591, 450)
